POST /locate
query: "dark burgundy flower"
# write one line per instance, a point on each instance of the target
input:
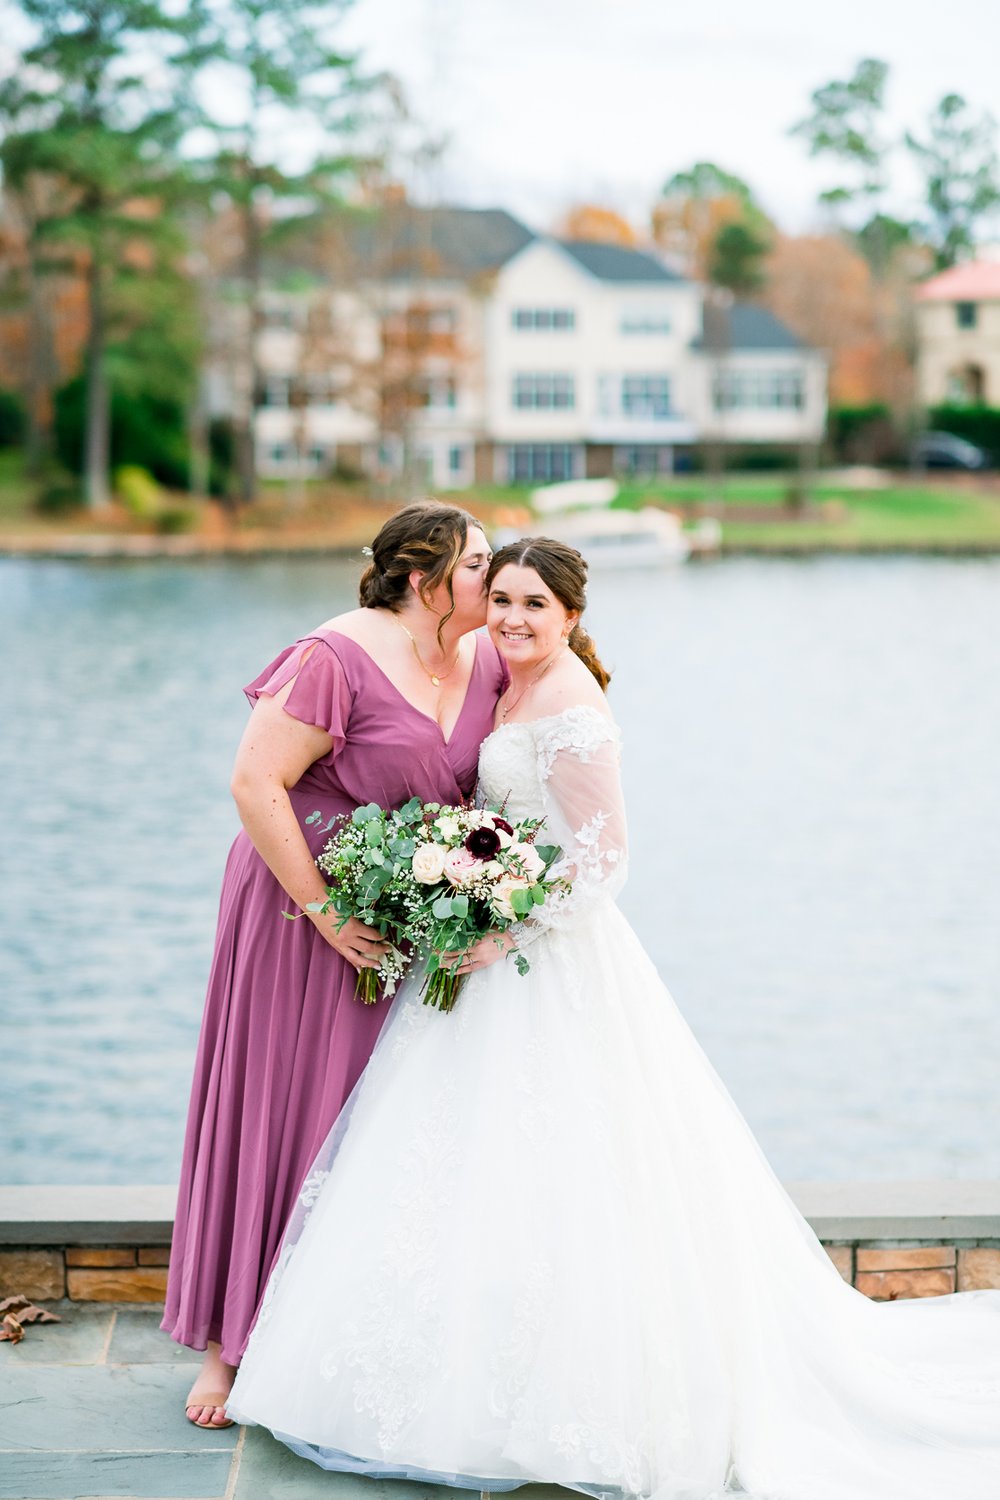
(484, 843)
(503, 825)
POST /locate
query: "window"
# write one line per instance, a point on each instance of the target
(318, 454)
(544, 319)
(645, 320)
(534, 463)
(276, 390)
(280, 453)
(456, 459)
(543, 392)
(759, 389)
(646, 395)
(965, 314)
(439, 392)
(643, 459)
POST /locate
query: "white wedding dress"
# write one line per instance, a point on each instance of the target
(542, 1245)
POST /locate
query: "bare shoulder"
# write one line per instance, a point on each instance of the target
(361, 625)
(570, 685)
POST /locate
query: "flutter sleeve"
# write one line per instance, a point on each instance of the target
(579, 766)
(320, 695)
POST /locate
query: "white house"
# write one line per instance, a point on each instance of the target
(520, 358)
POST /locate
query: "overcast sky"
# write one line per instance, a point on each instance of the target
(548, 102)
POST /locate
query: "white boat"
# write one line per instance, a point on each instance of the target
(578, 512)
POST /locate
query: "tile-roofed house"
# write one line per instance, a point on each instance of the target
(958, 336)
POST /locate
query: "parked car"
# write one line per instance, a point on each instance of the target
(943, 450)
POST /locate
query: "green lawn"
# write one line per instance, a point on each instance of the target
(936, 513)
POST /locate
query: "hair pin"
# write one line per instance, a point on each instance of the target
(367, 552)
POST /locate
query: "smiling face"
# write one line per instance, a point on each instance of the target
(525, 619)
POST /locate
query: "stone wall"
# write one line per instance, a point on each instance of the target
(890, 1240)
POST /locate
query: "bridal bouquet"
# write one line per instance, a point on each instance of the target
(482, 874)
(434, 879)
(368, 866)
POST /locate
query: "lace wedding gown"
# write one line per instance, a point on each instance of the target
(543, 1245)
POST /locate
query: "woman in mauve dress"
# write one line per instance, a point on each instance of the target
(384, 703)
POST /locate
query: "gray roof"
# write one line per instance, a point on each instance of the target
(617, 262)
(746, 326)
(407, 242)
(400, 242)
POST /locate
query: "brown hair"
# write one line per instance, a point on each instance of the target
(425, 537)
(564, 571)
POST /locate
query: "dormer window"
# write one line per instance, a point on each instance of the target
(965, 314)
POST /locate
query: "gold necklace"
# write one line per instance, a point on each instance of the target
(436, 677)
(511, 706)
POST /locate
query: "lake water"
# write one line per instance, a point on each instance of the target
(812, 752)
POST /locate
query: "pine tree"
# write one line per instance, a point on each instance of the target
(95, 112)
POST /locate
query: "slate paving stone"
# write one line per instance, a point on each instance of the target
(138, 1476)
(78, 1340)
(270, 1471)
(135, 1409)
(138, 1340)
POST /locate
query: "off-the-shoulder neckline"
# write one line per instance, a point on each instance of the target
(586, 709)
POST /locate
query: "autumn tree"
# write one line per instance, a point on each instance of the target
(591, 221)
(287, 80)
(695, 205)
(957, 161)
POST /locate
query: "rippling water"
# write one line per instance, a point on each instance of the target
(811, 763)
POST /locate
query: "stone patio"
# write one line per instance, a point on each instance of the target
(92, 1408)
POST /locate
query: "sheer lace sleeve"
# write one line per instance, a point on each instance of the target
(579, 770)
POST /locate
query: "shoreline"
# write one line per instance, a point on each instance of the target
(85, 547)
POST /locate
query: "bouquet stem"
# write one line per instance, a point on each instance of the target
(368, 988)
(442, 989)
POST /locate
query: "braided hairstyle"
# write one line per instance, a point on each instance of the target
(564, 571)
(425, 537)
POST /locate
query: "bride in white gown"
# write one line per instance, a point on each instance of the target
(542, 1245)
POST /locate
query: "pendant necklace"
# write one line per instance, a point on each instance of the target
(436, 677)
(538, 675)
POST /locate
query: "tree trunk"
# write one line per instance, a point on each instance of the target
(98, 398)
(38, 438)
(244, 434)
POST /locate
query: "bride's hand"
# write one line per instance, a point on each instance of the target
(489, 948)
(362, 946)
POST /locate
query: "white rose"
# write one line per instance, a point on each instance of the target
(529, 860)
(428, 863)
(448, 828)
(502, 893)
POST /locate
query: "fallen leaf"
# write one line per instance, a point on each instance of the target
(18, 1310)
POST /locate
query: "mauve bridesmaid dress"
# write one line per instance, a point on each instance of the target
(283, 1040)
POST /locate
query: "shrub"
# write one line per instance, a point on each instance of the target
(148, 431)
(864, 434)
(11, 420)
(58, 496)
(176, 517)
(977, 424)
(138, 491)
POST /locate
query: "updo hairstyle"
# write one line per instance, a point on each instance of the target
(564, 571)
(425, 537)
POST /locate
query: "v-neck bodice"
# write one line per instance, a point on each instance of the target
(384, 749)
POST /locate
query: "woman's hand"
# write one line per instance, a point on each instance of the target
(362, 946)
(489, 948)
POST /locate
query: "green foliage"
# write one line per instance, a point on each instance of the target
(845, 124)
(138, 491)
(977, 424)
(706, 180)
(961, 175)
(146, 430)
(864, 434)
(58, 496)
(12, 420)
(736, 259)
